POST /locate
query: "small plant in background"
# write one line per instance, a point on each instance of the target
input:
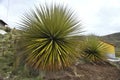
(47, 41)
(93, 50)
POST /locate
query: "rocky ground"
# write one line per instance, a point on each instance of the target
(88, 72)
(84, 71)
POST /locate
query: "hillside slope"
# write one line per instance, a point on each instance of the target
(113, 38)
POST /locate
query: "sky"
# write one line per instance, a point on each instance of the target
(100, 17)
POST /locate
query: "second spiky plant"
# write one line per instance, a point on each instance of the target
(93, 49)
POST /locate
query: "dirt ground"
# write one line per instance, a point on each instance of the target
(88, 72)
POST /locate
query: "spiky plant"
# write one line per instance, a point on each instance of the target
(93, 49)
(48, 37)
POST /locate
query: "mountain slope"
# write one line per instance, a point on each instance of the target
(113, 38)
